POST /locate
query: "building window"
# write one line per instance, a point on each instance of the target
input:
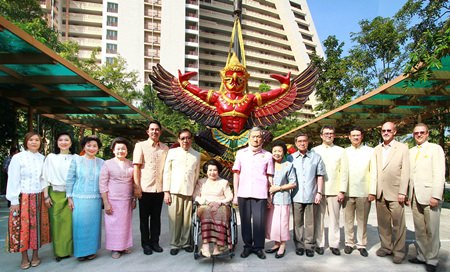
(109, 60)
(111, 34)
(111, 48)
(112, 21)
(112, 7)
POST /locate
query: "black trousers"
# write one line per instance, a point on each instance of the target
(253, 208)
(150, 206)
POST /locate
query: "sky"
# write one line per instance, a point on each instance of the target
(341, 17)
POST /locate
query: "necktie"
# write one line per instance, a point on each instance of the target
(418, 152)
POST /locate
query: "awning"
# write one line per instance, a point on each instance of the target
(401, 101)
(34, 76)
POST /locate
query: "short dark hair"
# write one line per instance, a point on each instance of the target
(87, 139)
(120, 140)
(155, 122)
(280, 144)
(183, 131)
(57, 149)
(300, 133)
(212, 162)
(327, 127)
(28, 136)
(358, 128)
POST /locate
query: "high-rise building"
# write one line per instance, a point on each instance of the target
(192, 35)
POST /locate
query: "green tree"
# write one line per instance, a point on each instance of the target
(333, 87)
(378, 54)
(429, 35)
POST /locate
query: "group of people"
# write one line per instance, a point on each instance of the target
(64, 193)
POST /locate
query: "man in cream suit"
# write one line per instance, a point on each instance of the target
(426, 188)
(392, 160)
(359, 171)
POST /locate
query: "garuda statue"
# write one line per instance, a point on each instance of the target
(232, 110)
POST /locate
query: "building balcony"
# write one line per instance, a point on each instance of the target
(82, 7)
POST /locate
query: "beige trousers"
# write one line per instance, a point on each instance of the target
(180, 212)
(426, 225)
(361, 207)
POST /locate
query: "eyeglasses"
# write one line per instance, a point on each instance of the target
(419, 132)
(386, 130)
(328, 134)
(185, 138)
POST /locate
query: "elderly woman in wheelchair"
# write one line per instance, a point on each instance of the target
(213, 196)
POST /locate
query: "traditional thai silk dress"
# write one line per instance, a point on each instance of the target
(277, 228)
(82, 185)
(30, 229)
(116, 179)
(54, 175)
(215, 224)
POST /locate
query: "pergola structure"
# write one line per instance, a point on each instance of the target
(402, 101)
(35, 77)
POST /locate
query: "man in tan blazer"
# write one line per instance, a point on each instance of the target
(392, 160)
(426, 188)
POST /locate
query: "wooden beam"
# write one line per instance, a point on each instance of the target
(44, 80)
(25, 58)
(66, 94)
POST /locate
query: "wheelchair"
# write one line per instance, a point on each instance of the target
(197, 235)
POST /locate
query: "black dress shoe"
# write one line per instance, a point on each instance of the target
(319, 250)
(260, 253)
(310, 253)
(272, 250)
(174, 251)
(189, 249)
(148, 250)
(335, 251)
(156, 248)
(278, 256)
(363, 252)
(431, 268)
(416, 261)
(300, 251)
(348, 249)
(246, 252)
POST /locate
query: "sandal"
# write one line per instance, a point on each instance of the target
(115, 254)
(205, 253)
(91, 257)
(126, 251)
(82, 259)
(35, 263)
(25, 266)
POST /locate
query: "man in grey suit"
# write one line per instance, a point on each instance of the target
(426, 187)
(392, 160)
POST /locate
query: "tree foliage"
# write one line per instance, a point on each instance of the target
(333, 86)
(429, 35)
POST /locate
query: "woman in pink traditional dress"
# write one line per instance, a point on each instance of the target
(116, 187)
(28, 226)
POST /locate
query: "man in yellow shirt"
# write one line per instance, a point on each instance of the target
(334, 192)
(359, 172)
(427, 178)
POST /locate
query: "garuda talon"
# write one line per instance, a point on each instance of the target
(230, 111)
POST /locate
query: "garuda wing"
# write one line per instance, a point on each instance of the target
(170, 91)
(292, 100)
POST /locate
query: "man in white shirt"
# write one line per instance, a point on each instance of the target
(181, 172)
(334, 191)
(427, 179)
(359, 172)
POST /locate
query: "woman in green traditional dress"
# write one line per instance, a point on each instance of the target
(54, 173)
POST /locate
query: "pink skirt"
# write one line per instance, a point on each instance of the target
(277, 228)
(118, 234)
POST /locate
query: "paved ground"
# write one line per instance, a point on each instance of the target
(137, 261)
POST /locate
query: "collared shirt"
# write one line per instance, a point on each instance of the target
(284, 175)
(83, 178)
(307, 168)
(332, 157)
(254, 167)
(359, 171)
(181, 171)
(151, 157)
(24, 175)
(385, 151)
(54, 172)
